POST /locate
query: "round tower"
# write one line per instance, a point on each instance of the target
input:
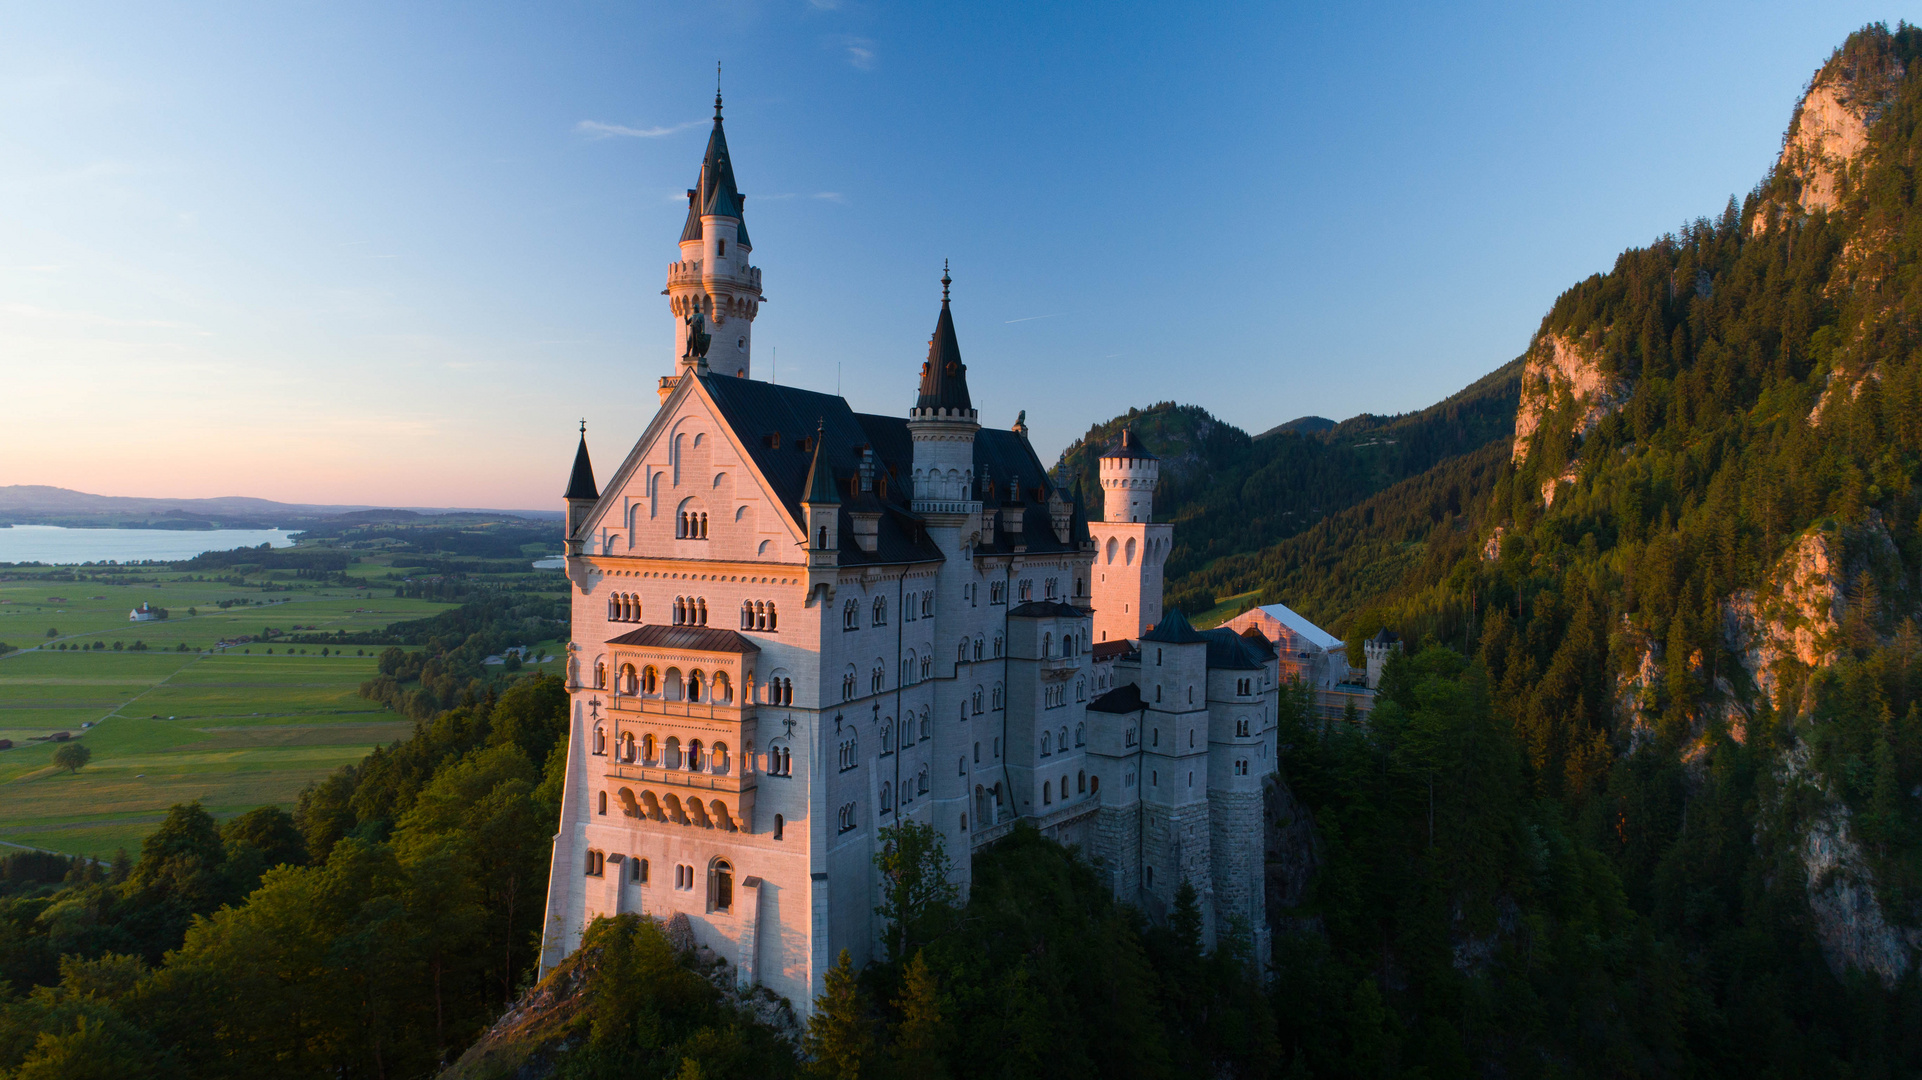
(713, 277)
(1128, 477)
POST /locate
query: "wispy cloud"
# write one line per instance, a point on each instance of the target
(824, 196)
(1031, 318)
(858, 51)
(596, 129)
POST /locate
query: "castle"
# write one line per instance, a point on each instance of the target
(794, 625)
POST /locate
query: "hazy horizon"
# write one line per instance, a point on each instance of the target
(359, 255)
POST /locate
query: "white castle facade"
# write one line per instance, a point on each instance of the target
(795, 625)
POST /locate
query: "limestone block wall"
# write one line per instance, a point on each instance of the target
(1176, 847)
(1117, 845)
(1237, 859)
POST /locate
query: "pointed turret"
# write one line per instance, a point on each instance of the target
(944, 378)
(713, 290)
(821, 506)
(716, 185)
(582, 493)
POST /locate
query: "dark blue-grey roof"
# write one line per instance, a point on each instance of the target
(580, 484)
(716, 187)
(944, 378)
(1046, 609)
(1125, 698)
(1230, 651)
(1174, 629)
(1128, 446)
(772, 421)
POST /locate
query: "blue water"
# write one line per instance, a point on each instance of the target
(53, 544)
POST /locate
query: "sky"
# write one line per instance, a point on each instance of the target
(393, 253)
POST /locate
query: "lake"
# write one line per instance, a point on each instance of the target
(53, 544)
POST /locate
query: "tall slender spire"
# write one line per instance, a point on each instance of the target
(820, 481)
(580, 483)
(944, 378)
(716, 191)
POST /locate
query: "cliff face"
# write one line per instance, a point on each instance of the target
(1564, 376)
(1830, 128)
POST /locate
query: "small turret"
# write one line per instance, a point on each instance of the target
(943, 423)
(582, 493)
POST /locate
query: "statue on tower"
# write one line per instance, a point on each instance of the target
(698, 338)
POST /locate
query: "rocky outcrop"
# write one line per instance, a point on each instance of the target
(1830, 128)
(1849, 923)
(1795, 619)
(1292, 854)
(1563, 374)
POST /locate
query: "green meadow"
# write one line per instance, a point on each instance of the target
(234, 729)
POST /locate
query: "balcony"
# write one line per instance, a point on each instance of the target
(627, 705)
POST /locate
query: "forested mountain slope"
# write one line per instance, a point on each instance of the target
(1230, 494)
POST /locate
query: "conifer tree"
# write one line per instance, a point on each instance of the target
(840, 1035)
(921, 1036)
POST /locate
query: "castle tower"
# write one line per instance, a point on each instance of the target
(1131, 550)
(713, 277)
(1128, 477)
(943, 424)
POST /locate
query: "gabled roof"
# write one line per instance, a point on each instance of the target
(580, 485)
(716, 187)
(1174, 629)
(1304, 629)
(693, 638)
(1125, 698)
(944, 378)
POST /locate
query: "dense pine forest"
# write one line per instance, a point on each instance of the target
(1642, 795)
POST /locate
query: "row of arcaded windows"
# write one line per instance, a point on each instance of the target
(758, 615)
(674, 808)
(690, 611)
(694, 756)
(1050, 742)
(624, 607)
(691, 525)
(695, 686)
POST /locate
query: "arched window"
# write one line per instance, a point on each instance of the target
(602, 808)
(1080, 782)
(1061, 739)
(1094, 785)
(672, 687)
(997, 646)
(720, 878)
(927, 724)
(747, 614)
(648, 749)
(851, 616)
(979, 645)
(877, 678)
(694, 755)
(596, 863)
(927, 665)
(718, 757)
(1047, 793)
(780, 826)
(627, 747)
(721, 690)
(773, 622)
(1081, 734)
(701, 603)
(1044, 744)
(600, 675)
(887, 736)
(976, 701)
(887, 798)
(1047, 644)
(821, 538)
(600, 740)
(650, 680)
(999, 698)
(672, 758)
(961, 655)
(629, 683)
(880, 611)
(921, 783)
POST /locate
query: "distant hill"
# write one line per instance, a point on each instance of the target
(1232, 495)
(1301, 425)
(41, 504)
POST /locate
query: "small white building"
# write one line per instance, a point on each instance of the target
(144, 613)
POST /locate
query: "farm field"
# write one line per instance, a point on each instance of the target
(168, 716)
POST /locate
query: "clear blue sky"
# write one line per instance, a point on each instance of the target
(390, 252)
